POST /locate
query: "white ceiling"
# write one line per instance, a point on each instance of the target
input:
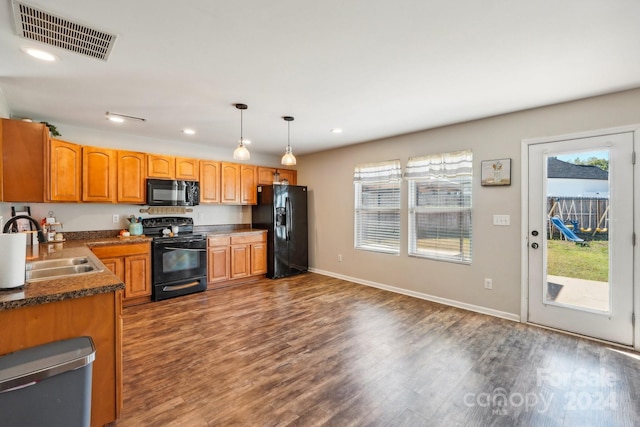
(375, 68)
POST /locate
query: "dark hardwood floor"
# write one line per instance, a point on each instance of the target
(312, 350)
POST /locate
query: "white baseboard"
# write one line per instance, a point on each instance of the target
(427, 297)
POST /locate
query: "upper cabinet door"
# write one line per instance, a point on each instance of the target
(132, 177)
(187, 169)
(24, 146)
(209, 181)
(162, 167)
(290, 175)
(99, 175)
(249, 184)
(230, 183)
(265, 175)
(65, 171)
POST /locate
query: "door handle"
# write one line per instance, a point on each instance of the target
(288, 208)
(534, 245)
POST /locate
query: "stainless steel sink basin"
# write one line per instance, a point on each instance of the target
(61, 267)
(52, 263)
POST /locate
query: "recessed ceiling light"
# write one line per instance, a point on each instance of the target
(39, 54)
(188, 131)
(336, 130)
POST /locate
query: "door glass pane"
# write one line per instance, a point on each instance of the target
(577, 232)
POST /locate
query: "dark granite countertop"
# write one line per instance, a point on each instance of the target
(82, 285)
(238, 231)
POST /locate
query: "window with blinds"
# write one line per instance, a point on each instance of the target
(377, 206)
(440, 206)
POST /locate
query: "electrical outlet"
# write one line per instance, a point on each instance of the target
(339, 257)
(488, 284)
(116, 218)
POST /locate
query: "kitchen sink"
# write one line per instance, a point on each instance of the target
(58, 268)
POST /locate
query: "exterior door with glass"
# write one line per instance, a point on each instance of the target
(580, 235)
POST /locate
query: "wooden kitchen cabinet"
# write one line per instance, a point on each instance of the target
(218, 254)
(229, 183)
(236, 258)
(24, 161)
(259, 256)
(248, 254)
(187, 169)
(209, 182)
(160, 166)
(132, 177)
(248, 184)
(97, 316)
(290, 175)
(99, 175)
(132, 264)
(65, 171)
(265, 175)
(240, 261)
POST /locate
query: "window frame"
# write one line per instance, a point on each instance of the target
(387, 176)
(450, 177)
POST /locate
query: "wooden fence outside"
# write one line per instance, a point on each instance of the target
(587, 216)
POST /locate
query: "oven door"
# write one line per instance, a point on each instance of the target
(175, 260)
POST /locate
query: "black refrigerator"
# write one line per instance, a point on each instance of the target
(282, 211)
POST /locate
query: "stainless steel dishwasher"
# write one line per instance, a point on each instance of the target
(48, 385)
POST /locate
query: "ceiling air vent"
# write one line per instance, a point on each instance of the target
(37, 24)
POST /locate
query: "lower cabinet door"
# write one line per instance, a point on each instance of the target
(240, 261)
(258, 258)
(137, 276)
(218, 264)
(116, 265)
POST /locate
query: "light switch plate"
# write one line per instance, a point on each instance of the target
(502, 220)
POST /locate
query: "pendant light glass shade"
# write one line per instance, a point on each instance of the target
(241, 152)
(288, 159)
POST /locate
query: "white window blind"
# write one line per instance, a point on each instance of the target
(377, 206)
(440, 206)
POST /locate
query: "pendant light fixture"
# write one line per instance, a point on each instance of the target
(241, 153)
(288, 159)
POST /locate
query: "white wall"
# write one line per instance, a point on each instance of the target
(496, 250)
(4, 107)
(98, 216)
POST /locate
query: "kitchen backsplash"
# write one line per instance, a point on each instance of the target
(92, 217)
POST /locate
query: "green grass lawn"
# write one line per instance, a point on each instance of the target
(581, 262)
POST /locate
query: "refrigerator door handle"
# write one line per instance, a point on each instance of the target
(289, 216)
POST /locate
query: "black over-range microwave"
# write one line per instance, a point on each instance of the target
(171, 192)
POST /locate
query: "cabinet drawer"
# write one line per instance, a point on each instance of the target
(248, 238)
(218, 241)
(121, 250)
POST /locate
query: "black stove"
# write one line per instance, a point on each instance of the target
(160, 228)
(179, 260)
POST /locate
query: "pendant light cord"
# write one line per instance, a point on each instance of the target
(241, 138)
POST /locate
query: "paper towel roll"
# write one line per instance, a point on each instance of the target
(13, 255)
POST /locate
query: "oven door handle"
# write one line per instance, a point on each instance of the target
(184, 249)
(169, 288)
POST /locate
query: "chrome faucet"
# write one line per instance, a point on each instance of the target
(11, 221)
